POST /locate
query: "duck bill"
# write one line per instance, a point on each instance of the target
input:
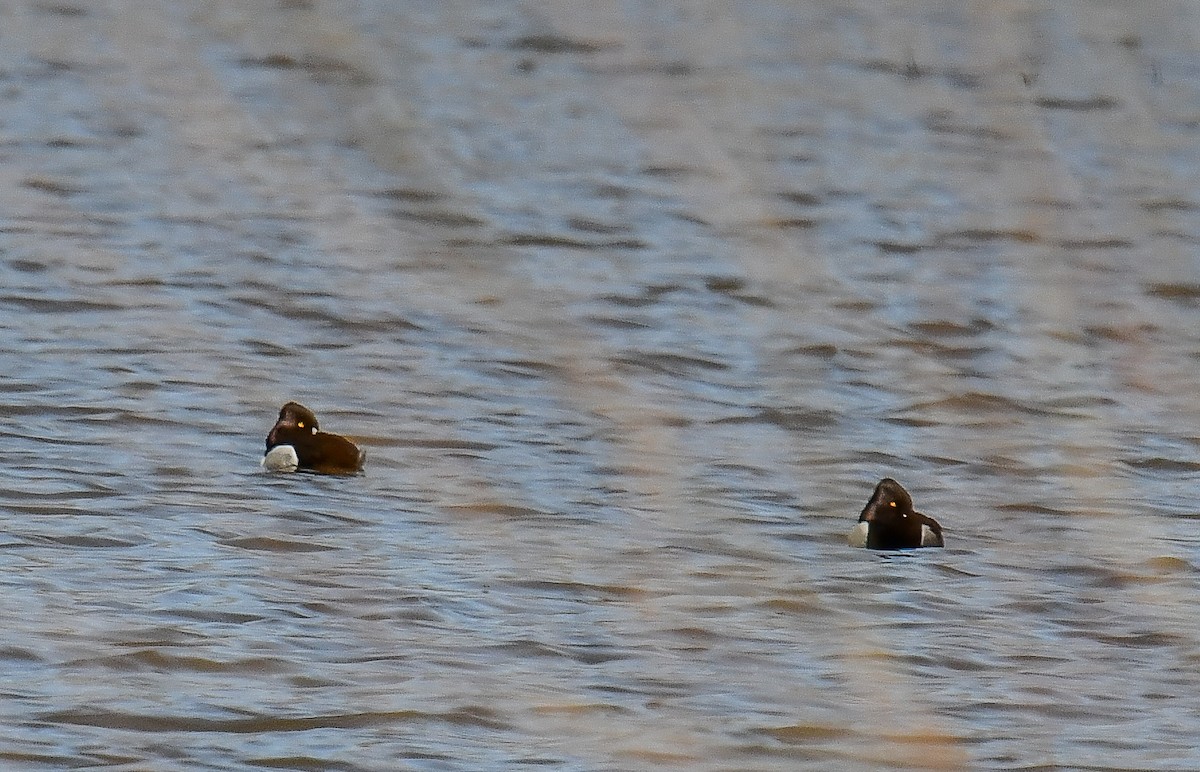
(869, 513)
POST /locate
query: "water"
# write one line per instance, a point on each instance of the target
(631, 305)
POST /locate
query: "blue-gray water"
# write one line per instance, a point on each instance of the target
(631, 305)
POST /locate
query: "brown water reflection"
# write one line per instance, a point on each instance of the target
(631, 304)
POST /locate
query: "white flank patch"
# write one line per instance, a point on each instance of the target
(858, 535)
(281, 458)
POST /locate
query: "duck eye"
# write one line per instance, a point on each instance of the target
(890, 503)
(301, 425)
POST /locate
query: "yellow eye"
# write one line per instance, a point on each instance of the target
(301, 425)
(890, 503)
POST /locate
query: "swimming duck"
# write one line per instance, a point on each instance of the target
(297, 442)
(889, 522)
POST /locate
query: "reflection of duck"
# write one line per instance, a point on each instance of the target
(889, 522)
(296, 442)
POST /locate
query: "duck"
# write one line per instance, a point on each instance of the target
(297, 442)
(889, 522)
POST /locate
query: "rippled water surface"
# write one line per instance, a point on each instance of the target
(631, 304)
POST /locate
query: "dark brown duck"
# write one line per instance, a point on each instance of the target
(297, 442)
(889, 522)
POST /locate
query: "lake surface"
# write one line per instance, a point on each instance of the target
(631, 304)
